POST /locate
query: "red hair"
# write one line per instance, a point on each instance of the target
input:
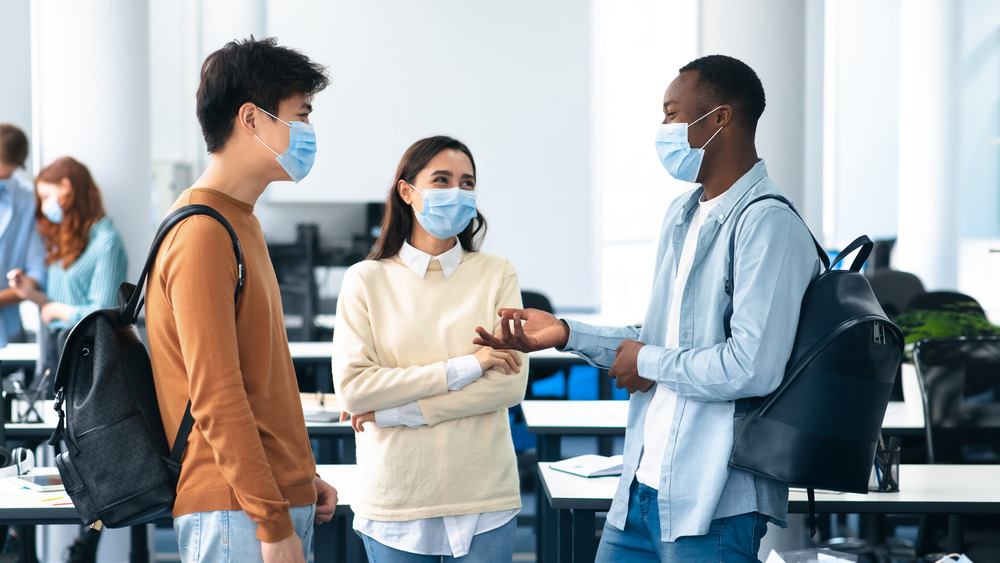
(67, 240)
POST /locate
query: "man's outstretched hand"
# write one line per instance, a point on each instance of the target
(532, 330)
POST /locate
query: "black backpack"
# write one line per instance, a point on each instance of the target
(117, 468)
(820, 427)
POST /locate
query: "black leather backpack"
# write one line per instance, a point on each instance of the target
(117, 469)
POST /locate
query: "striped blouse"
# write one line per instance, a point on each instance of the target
(92, 281)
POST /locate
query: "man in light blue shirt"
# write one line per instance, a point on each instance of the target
(678, 500)
(20, 246)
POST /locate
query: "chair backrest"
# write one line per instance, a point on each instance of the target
(535, 300)
(960, 383)
(944, 300)
(894, 290)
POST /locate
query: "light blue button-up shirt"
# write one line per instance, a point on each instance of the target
(91, 282)
(20, 245)
(775, 261)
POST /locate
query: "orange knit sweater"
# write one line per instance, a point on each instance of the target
(248, 449)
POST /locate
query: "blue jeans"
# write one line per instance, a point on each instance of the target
(729, 540)
(230, 535)
(494, 546)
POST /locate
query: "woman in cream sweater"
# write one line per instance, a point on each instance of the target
(438, 477)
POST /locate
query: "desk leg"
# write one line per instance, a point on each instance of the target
(565, 536)
(954, 541)
(29, 543)
(604, 385)
(583, 535)
(545, 517)
(139, 548)
(328, 541)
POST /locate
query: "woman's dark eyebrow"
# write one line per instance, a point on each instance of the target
(442, 173)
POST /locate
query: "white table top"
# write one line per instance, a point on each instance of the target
(20, 504)
(609, 417)
(942, 489)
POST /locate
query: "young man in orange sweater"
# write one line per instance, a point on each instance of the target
(248, 489)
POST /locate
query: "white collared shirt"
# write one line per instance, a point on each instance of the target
(418, 260)
(445, 535)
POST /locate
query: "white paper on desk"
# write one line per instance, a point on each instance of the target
(590, 465)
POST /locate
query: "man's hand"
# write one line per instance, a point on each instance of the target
(288, 550)
(540, 330)
(326, 500)
(625, 369)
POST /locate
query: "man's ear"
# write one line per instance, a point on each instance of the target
(246, 119)
(724, 115)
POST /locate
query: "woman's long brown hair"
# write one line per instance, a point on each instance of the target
(397, 223)
(66, 241)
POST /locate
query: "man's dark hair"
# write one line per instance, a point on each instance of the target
(725, 80)
(256, 71)
(13, 145)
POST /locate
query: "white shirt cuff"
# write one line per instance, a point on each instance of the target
(408, 414)
(462, 371)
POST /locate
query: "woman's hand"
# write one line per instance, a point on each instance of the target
(358, 420)
(54, 310)
(506, 360)
(540, 330)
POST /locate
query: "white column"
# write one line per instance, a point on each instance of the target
(15, 84)
(91, 80)
(770, 36)
(225, 20)
(928, 193)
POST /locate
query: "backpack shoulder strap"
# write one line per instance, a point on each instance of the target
(130, 309)
(732, 254)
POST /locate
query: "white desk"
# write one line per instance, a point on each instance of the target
(334, 541)
(597, 418)
(924, 489)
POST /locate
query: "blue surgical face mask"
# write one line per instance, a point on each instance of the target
(52, 210)
(298, 159)
(446, 211)
(680, 160)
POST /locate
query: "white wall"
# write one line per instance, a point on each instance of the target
(633, 62)
(863, 98)
(510, 80)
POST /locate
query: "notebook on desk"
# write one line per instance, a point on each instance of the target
(590, 465)
(322, 416)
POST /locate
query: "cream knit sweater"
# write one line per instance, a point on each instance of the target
(394, 333)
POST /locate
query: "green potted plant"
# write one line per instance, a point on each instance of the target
(956, 319)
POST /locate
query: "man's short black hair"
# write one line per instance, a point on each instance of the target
(256, 71)
(13, 145)
(725, 80)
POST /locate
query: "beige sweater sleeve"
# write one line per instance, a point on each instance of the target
(361, 384)
(493, 391)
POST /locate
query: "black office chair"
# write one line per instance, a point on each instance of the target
(960, 384)
(894, 290)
